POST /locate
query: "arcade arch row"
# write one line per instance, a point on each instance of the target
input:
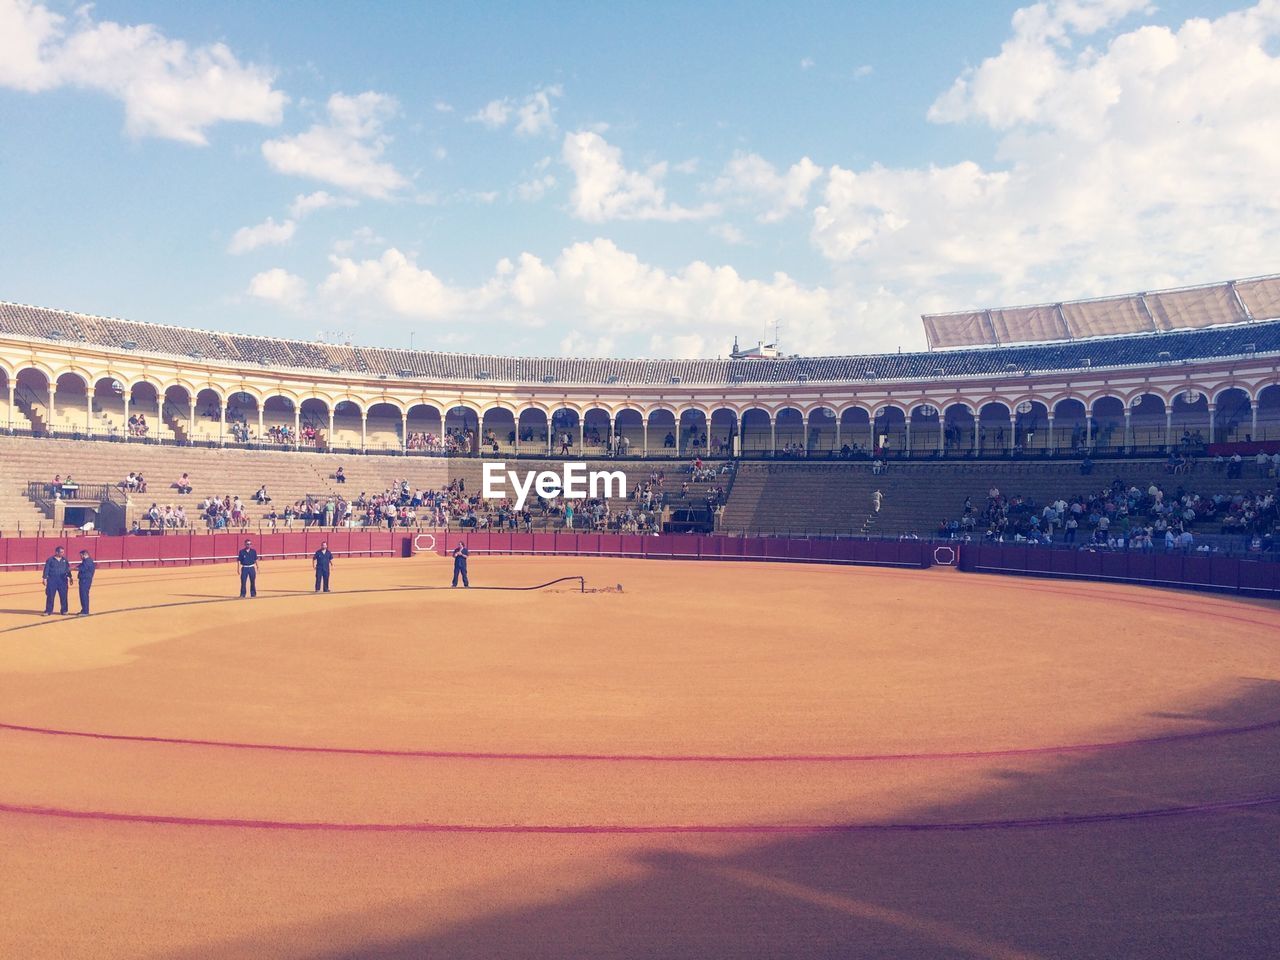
(73, 402)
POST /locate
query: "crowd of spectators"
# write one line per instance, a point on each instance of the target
(1126, 516)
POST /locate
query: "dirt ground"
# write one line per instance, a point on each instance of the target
(721, 760)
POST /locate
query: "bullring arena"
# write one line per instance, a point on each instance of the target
(726, 737)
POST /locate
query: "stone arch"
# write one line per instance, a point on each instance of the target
(1106, 411)
(995, 426)
(628, 429)
(692, 435)
(426, 426)
(1190, 419)
(924, 417)
(788, 430)
(822, 429)
(960, 427)
(1070, 424)
(497, 421)
(461, 428)
(722, 429)
(755, 425)
(384, 425)
(1266, 419)
(533, 428)
(1232, 414)
(889, 429)
(853, 424)
(1030, 424)
(661, 421)
(597, 427)
(70, 404)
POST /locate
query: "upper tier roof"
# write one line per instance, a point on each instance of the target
(58, 326)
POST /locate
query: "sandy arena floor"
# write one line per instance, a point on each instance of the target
(723, 760)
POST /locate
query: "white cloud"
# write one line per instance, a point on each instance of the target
(535, 188)
(602, 291)
(865, 70)
(347, 150)
(305, 203)
(606, 190)
(729, 234)
(443, 106)
(265, 234)
(493, 114)
(751, 178)
(806, 63)
(534, 115)
(168, 89)
(1141, 158)
(278, 286)
(578, 344)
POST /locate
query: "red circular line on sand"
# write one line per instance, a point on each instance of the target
(1064, 820)
(654, 758)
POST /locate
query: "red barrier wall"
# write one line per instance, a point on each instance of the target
(1195, 571)
(184, 549)
(906, 553)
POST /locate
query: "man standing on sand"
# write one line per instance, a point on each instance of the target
(56, 577)
(322, 560)
(247, 561)
(460, 563)
(85, 577)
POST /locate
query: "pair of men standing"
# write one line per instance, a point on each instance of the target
(247, 561)
(57, 577)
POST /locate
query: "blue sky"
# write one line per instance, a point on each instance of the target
(648, 180)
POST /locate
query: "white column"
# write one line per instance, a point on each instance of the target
(942, 432)
(1013, 433)
(404, 431)
(1128, 429)
(1211, 419)
(88, 412)
(838, 444)
(1088, 429)
(1253, 418)
(126, 415)
(1168, 427)
(222, 423)
(582, 434)
(907, 424)
(977, 432)
(773, 436)
(364, 427)
(871, 420)
(53, 409)
(13, 400)
(297, 425)
(516, 421)
(677, 434)
(261, 423)
(191, 423)
(644, 423)
(328, 441)
(551, 435)
(1049, 440)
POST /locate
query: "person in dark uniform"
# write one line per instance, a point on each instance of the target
(84, 576)
(56, 577)
(247, 559)
(322, 560)
(460, 564)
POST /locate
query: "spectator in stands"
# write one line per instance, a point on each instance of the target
(261, 496)
(339, 476)
(183, 484)
(876, 499)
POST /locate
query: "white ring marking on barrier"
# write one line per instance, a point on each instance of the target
(418, 548)
(949, 562)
